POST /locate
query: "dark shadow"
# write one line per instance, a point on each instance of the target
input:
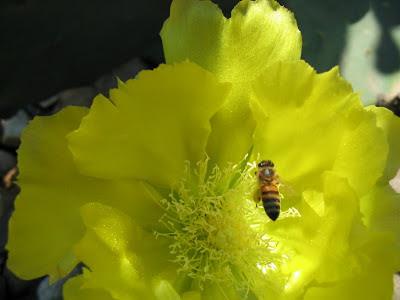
(388, 14)
(323, 25)
(48, 46)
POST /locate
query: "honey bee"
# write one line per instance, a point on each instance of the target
(268, 191)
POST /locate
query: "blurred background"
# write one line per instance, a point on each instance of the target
(59, 53)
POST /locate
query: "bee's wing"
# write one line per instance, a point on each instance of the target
(286, 189)
(289, 197)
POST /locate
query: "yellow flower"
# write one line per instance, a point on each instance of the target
(152, 189)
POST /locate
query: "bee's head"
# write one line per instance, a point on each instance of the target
(265, 164)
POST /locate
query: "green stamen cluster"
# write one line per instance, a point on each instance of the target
(216, 231)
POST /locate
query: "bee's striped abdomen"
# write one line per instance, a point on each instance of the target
(272, 204)
(269, 189)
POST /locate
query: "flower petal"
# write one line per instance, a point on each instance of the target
(46, 223)
(74, 289)
(104, 250)
(218, 291)
(315, 125)
(153, 125)
(324, 254)
(390, 124)
(374, 280)
(238, 49)
(113, 244)
(381, 210)
(44, 226)
(362, 151)
(164, 291)
(258, 34)
(333, 249)
(191, 296)
(232, 129)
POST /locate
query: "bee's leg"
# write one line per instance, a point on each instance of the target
(256, 197)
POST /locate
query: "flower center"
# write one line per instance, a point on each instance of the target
(216, 232)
